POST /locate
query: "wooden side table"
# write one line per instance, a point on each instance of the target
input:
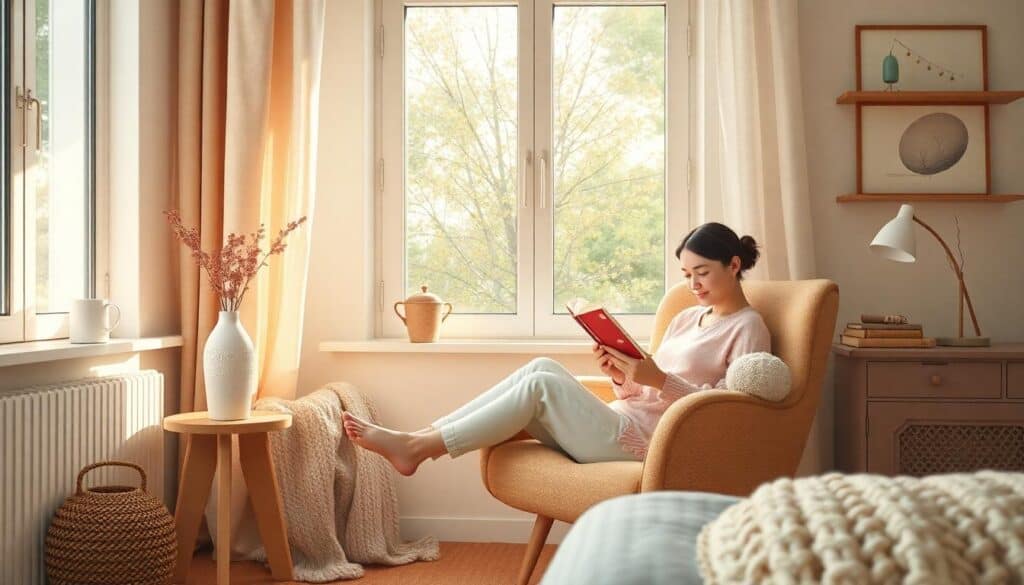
(209, 448)
(925, 411)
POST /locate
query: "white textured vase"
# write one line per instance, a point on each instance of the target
(229, 368)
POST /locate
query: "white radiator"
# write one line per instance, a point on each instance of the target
(47, 434)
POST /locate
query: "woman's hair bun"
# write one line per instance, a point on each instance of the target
(750, 252)
(719, 242)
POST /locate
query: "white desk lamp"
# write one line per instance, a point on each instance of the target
(896, 241)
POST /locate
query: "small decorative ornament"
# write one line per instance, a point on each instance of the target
(891, 66)
(423, 316)
(890, 71)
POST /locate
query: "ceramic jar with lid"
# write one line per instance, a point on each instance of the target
(423, 315)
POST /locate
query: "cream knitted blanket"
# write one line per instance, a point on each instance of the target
(852, 529)
(340, 501)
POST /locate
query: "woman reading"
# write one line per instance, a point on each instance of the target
(546, 400)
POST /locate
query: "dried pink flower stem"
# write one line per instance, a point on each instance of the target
(230, 268)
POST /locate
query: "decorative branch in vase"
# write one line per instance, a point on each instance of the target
(229, 360)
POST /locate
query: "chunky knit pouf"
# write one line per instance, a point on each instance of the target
(854, 529)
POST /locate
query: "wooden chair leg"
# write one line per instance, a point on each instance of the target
(541, 528)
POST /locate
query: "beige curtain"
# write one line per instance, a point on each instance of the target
(249, 73)
(750, 156)
(248, 101)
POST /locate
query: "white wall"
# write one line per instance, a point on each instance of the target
(143, 120)
(446, 497)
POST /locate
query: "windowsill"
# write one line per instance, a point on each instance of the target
(491, 346)
(31, 352)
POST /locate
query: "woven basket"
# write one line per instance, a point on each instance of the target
(111, 534)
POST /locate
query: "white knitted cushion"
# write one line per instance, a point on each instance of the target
(761, 374)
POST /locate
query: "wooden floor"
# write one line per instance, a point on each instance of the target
(461, 563)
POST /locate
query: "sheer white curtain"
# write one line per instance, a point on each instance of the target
(750, 157)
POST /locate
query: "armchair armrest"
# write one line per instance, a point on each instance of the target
(600, 386)
(722, 441)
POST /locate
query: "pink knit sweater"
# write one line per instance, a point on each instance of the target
(694, 359)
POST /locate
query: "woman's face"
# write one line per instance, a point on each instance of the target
(709, 280)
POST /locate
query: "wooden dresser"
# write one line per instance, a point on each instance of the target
(924, 411)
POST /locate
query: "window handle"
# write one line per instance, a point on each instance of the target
(19, 103)
(29, 102)
(543, 179)
(523, 175)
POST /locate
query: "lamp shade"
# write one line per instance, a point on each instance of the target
(895, 241)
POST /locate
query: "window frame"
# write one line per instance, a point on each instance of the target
(535, 318)
(23, 322)
(12, 324)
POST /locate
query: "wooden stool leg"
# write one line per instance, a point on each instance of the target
(193, 490)
(541, 528)
(258, 469)
(224, 509)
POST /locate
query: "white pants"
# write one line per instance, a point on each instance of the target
(550, 403)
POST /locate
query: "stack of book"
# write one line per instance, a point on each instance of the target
(885, 335)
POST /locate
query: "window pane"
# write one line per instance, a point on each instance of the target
(63, 165)
(608, 160)
(461, 124)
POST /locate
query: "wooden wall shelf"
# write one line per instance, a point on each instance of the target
(929, 97)
(907, 98)
(911, 197)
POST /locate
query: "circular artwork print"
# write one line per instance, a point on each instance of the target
(933, 143)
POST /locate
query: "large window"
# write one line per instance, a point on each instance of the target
(531, 153)
(47, 229)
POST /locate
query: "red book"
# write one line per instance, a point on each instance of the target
(604, 329)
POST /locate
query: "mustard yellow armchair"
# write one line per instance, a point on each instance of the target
(715, 440)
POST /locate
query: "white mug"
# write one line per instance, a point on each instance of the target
(89, 320)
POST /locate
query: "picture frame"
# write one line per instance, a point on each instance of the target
(924, 149)
(930, 57)
(925, 146)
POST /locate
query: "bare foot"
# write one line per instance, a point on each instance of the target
(394, 446)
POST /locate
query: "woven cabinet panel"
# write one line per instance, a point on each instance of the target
(925, 449)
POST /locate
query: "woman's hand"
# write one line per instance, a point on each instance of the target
(644, 372)
(605, 363)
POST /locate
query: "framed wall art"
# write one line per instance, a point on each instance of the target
(925, 146)
(923, 149)
(922, 57)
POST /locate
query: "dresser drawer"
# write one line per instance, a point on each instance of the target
(1015, 379)
(939, 380)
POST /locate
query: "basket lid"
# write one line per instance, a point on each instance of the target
(423, 297)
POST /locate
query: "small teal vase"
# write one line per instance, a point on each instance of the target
(890, 70)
